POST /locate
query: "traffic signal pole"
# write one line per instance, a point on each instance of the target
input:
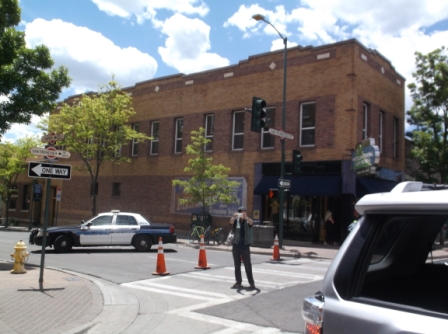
(282, 169)
(260, 17)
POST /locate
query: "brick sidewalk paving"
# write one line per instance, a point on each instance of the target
(65, 301)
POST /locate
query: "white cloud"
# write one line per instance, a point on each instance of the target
(144, 9)
(19, 131)
(397, 30)
(186, 48)
(243, 20)
(90, 57)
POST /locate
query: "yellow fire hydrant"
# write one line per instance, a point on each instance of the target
(20, 255)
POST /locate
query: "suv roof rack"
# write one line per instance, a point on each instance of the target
(415, 186)
(434, 186)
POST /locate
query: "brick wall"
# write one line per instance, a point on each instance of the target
(339, 77)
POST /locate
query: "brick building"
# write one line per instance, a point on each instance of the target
(337, 96)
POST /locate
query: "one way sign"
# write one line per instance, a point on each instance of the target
(37, 169)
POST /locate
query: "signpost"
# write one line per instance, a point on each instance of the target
(50, 152)
(280, 133)
(49, 171)
(284, 183)
(52, 137)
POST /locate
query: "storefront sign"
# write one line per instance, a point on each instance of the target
(365, 157)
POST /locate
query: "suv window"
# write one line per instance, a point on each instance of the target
(393, 267)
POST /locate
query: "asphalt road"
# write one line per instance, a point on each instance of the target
(202, 298)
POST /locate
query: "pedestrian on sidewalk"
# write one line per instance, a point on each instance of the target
(329, 227)
(243, 238)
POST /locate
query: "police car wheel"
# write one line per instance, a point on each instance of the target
(63, 244)
(142, 243)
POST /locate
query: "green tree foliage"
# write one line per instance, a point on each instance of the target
(95, 127)
(208, 183)
(28, 84)
(13, 162)
(429, 115)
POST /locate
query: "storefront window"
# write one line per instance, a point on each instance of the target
(299, 215)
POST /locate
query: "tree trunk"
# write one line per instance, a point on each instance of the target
(7, 211)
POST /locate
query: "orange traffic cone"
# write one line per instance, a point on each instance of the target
(276, 254)
(202, 262)
(160, 267)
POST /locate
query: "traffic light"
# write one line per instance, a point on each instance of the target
(258, 114)
(296, 161)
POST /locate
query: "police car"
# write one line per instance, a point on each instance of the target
(113, 228)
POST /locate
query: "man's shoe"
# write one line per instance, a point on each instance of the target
(237, 286)
(252, 286)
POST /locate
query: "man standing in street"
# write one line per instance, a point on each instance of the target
(243, 238)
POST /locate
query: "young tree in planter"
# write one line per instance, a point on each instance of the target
(95, 127)
(208, 183)
(13, 162)
(429, 115)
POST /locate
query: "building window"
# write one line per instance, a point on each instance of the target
(155, 138)
(119, 130)
(26, 197)
(308, 124)
(365, 119)
(12, 204)
(209, 128)
(395, 139)
(267, 140)
(179, 133)
(238, 130)
(380, 131)
(135, 127)
(116, 189)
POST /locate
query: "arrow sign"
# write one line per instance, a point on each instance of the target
(37, 169)
(282, 183)
(52, 137)
(50, 152)
(280, 133)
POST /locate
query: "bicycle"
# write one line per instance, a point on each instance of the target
(195, 234)
(217, 234)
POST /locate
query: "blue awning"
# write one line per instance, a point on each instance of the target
(303, 185)
(367, 185)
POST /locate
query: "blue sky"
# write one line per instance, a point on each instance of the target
(138, 40)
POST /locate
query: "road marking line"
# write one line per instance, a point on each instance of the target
(232, 326)
(172, 293)
(169, 287)
(272, 285)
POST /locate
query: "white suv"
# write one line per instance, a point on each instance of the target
(384, 278)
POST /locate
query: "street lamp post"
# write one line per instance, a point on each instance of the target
(260, 17)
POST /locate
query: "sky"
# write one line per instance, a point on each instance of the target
(139, 40)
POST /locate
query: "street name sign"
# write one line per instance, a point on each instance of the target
(282, 183)
(49, 171)
(52, 137)
(50, 152)
(280, 133)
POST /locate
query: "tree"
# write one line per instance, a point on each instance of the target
(28, 84)
(208, 183)
(429, 115)
(13, 162)
(95, 127)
